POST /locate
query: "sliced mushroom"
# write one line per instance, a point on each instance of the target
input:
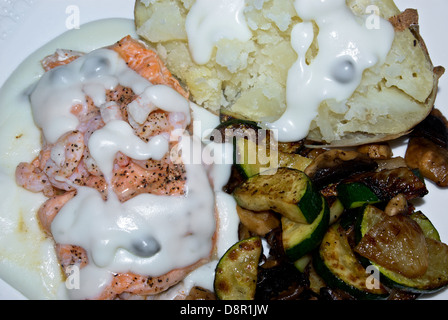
(333, 294)
(282, 282)
(386, 184)
(377, 151)
(430, 158)
(259, 223)
(392, 163)
(334, 165)
(433, 128)
(397, 205)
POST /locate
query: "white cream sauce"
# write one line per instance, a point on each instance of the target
(147, 234)
(28, 262)
(209, 21)
(118, 135)
(346, 48)
(61, 88)
(178, 230)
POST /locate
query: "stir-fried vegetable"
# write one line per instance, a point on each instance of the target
(236, 272)
(404, 250)
(284, 190)
(338, 224)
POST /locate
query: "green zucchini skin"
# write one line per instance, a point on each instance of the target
(286, 191)
(355, 194)
(370, 215)
(309, 203)
(427, 226)
(238, 124)
(335, 282)
(338, 266)
(300, 239)
(394, 280)
(253, 157)
(236, 271)
(234, 129)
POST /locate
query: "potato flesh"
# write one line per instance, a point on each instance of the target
(250, 78)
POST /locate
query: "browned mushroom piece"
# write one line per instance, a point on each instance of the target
(328, 293)
(430, 158)
(392, 163)
(433, 128)
(281, 282)
(387, 184)
(397, 205)
(428, 148)
(377, 151)
(334, 165)
(259, 223)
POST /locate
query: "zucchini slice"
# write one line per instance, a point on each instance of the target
(336, 209)
(371, 215)
(284, 190)
(299, 239)
(436, 276)
(428, 228)
(302, 263)
(338, 266)
(237, 270)
(252, 158)
(378, 186)
(355, 195)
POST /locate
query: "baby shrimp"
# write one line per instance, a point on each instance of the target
(147, 63)
(145, 285)
(60, 161)
(156, 123)
(71, 255)
(156, 177)
(33, 179)
(67, 153)
(122, 96)
(90, 164)
(50, 209)
(68, 163)
(139, 110)
(87, 129)
(159, 122)
(111, 111)
(59, 58)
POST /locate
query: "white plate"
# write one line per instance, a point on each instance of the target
(25, 25)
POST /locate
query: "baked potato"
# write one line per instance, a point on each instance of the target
(249, 78)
